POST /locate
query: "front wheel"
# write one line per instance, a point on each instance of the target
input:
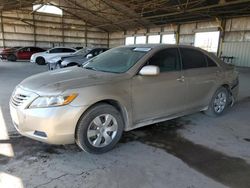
(219, 102)
(99, 129)
(40, 61)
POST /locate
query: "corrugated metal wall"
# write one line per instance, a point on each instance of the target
(236, 40)
(21, 28)
(239, 50)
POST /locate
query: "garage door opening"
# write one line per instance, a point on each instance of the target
(154, 39)
(168, 39)
(207, 40)
(140, 40)
(129, 40)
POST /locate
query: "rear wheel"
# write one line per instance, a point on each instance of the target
(219, 102)
(40, 61)
(12, 57)
(99, 129)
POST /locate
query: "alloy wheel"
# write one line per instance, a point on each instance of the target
(102, 130)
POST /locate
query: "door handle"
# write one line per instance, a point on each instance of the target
(181, 79)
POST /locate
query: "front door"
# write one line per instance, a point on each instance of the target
(162, 95)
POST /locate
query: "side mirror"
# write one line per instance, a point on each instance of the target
(149, 70)
(89, 56)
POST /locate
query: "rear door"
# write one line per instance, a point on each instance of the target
(162, 95)
(24, 53)
(201, 75)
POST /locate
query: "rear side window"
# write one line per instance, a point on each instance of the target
(68, 50)
(192, 59)
(33, 49)
(166, 60)
(56, 50)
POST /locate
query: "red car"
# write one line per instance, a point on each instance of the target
(19, 53)
(7, 51)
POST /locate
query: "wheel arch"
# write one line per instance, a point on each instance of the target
(40, 56)
(227, 86)
(116, 104)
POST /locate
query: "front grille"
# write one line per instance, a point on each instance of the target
(19, 99)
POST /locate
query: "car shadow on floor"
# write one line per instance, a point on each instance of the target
(230, 171)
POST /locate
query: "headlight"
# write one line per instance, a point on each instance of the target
(50, 101)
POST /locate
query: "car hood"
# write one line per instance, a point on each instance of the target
(56, 82)
(39, 53)
(79, 59)
(72, 56)
(61, 57)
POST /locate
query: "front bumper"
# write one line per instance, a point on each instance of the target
(54, 125)
(32, 59)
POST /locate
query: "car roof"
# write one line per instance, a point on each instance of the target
(158, 45)
(161, 46)
(31, 47)
(63, 47)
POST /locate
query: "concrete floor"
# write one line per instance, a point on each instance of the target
(189, 152)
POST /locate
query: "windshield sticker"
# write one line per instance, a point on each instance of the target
(141, 49)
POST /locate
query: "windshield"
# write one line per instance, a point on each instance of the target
(82, 51)
(117, 60)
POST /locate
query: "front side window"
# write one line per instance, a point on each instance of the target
(166, 60)
(82, 51)
(192, 59)
(117, 60)
(95, 52)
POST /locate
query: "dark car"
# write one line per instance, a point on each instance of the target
(23, 53)
(77, 58)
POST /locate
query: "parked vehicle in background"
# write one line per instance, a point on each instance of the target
(23, 53)
(7, 51)
(79, 47)
(77, 58)
(120, 90)
(41, 58)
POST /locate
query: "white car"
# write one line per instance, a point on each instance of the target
(41, 58)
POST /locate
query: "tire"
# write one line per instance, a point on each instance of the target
(71, 64)
(11, 58)
(40, 61)
(219, 103)
(91, 133)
